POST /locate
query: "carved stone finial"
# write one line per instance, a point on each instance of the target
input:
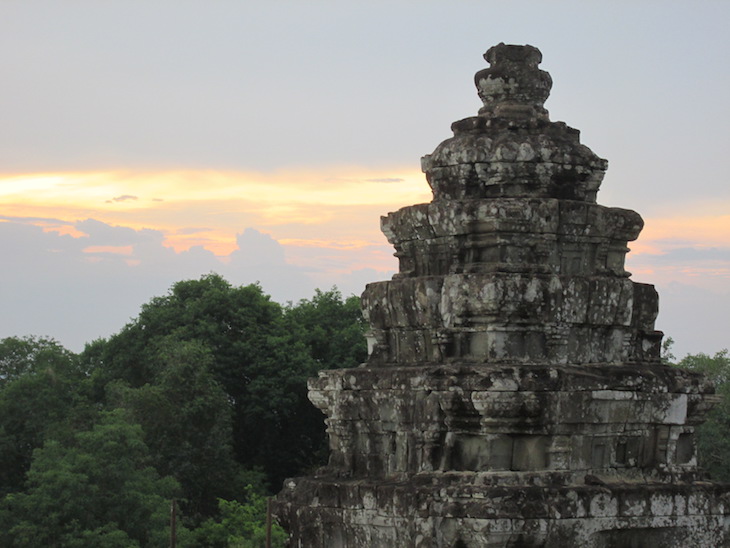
(511, 149)
(513, 86)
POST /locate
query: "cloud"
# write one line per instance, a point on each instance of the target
(694, 300)
(286, 204)
(260, 258)
(63, 245)
(33, 220)
(256, 249)
(690, 250)
(100, 233)
(122, 198)
(677, 229)
(78, 288)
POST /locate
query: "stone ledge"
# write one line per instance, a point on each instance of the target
(431, 511)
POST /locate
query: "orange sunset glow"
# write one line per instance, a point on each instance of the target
(335, 208)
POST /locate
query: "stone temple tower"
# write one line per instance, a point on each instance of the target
(514, 395)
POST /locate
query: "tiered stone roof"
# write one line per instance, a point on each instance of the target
(514, 394)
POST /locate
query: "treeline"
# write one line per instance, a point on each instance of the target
(201, 398)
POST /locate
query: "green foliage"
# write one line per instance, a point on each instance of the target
(20, 356)
(331, 329)
(331, 332)
(186, 420)
(714, 435)
(98, 487)
(716, 368)
(201, 395)
(240, 525)
(41, 385)
(233, 322)
(259, 353)
(238, 327)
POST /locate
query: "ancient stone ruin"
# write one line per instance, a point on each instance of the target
(514, 394)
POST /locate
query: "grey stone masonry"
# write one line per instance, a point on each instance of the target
(514, 395)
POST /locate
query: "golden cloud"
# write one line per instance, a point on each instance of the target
(327, 205)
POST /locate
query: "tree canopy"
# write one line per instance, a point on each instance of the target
(258, 352)
(39, 393)
(201, 397)
(96, 488)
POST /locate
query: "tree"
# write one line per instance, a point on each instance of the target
(331, 328)
(250, 351)
(233, 322)
(200, 395)
(274, 418)
(716, 368)
(41, 391)
(186, 420)
(20, 356)
(96, 488)
(714, 434)
(240, 525)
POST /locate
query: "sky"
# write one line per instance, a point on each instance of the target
(143, 143)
